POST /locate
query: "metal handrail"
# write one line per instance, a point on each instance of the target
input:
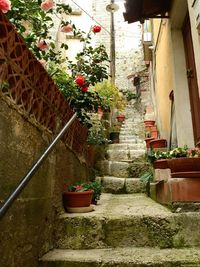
(24, 181)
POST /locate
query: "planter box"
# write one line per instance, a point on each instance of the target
(185, 167)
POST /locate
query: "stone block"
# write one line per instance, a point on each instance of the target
(113, 184)
(133, 185)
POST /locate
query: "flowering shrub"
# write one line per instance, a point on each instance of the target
(178, 152)
(90, 67)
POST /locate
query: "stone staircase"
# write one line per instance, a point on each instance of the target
(114, 168)
(126, 229)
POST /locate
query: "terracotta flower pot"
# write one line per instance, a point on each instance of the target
(77, 199)
(120, 118)
(158, 143)
(154, 131)
(185, 167)
(148, 124)
(147, 140)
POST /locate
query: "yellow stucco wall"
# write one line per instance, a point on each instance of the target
(164, 76)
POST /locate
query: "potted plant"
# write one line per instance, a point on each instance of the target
(114, 132)
(158, 143)
(159, 159)
(120, 117)
(185, 162)
(79, 197)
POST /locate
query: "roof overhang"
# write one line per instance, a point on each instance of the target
(139, 10)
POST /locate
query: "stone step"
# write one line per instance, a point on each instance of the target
(113, 168)
(118, 185)
(126, 146)
(122, 257)
(122, 137)
(127, 220)
(119, 155)
(129, 141)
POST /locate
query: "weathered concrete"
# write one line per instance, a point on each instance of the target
(113, 168)
(122, 257)
(124, 154)
(117, 185)
(26, 231)
(128, 220)
(134, 185)
(113, 184)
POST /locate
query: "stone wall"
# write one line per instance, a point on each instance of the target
(27, 230)
(129, 54)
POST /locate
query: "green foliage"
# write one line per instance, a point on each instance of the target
(91, 63)
(130, 95)
(109, 95)
(97, 189)
(146, 178)
(97, 132)
(178, 152)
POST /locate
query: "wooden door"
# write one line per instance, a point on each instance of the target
(192, 79)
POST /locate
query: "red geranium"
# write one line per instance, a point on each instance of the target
(80, 80)
(96, 28)
(84, 89)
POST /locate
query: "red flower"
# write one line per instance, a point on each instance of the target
(84, 89)
(80, 80)
(78, 188)
(96, 28)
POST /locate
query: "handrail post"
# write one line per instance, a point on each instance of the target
(24, 181)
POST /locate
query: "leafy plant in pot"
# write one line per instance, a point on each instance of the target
(78, 197)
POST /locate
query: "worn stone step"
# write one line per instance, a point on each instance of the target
(126, 146)
(113, 168)
(129, 141)
(122, 257)
(122, 137)
(128, 220)
(119, 155)
(117, 185)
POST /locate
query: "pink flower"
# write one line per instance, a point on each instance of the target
(84, 89)
(42, 45)
(42, 61)
(47, 5)
(78, 188)
(5, 5)
(67, 28)
(96, 28)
